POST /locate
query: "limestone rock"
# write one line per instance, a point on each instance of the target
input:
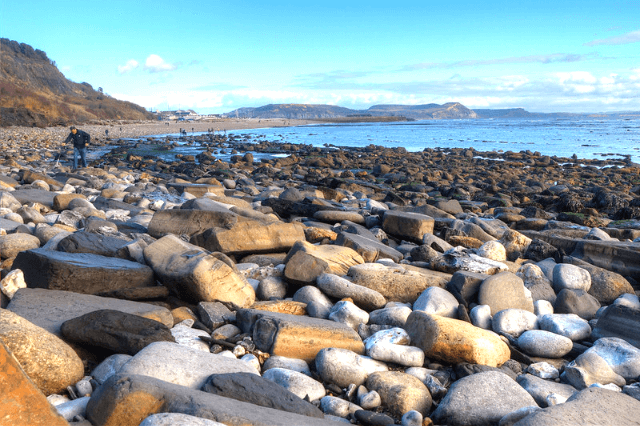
(46, 359)
(305, 262)
(339, 287)
(455, 341)
(411, 226)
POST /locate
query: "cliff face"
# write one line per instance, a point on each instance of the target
(33, 92)
(450, 110)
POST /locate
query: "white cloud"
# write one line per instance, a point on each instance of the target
(129, 66)
(155, 63)
(630, 37)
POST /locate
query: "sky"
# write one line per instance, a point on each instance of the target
(215, 56)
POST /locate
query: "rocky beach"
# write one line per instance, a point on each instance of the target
(316, 285)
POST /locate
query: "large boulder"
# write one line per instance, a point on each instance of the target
(305, 261)
(411, 226)
(196, 275)
(188, 222)
(503, 291)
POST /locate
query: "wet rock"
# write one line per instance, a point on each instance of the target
(480, 399)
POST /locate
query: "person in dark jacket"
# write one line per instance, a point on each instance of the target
(81, 141)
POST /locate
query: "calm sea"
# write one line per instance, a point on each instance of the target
(587, 138)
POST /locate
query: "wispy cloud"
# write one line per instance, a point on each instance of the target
(540, 59)
(156, 64)
(630, 37)
(128, 67)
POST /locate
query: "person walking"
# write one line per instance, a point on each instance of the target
(81, 141)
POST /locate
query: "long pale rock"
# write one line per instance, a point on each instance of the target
(397, 283)
(126, 400)
(80, 272)
(305, 262)
(182, 365)
(188, 222)
(370, 250)
(296, 336)
(23, 404)
(455, 341)
(338, 287)
(196, 275)
(253, 237)
(48, 361)
(49, 309)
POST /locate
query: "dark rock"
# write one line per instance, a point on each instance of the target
(618, 321)
(89, 242)
(116, 331)
(373, 419)
(577, 302)
(466, 369)
(539, 250)
(256, 390)
(467, 284)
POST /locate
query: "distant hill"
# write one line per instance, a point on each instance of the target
(310, 112)
(33, 92)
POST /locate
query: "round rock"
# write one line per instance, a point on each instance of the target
(514, 321)
(344, 367)
(545, 344)
(570, 277)
(567, 325)
(437, 301)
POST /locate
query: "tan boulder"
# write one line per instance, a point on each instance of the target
(454, 341)
(61, 201)
(48, 361)
(12, 244)
(22, 402)
(400, 392)
(411, 226)
(305, 262)
(195, 274)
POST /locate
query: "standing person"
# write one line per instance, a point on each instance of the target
(81, 141)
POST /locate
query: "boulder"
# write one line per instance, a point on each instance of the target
(125, 400)
(196, 275)
(23, 404)
(619, 321)
(437, 301)
(571, 277)
(606, 286)
(567, 325)
(540, 389)
(544, 344)
(189, 222)
(305, 262)
(513, 321)
(90, 242)
(116, 331)
(297, 383)
(455, 341)
(46, 359)
(577, 302)
(338, 287)
(503, 291)
(12, 244)
(80, 272)
(370, 249)
(411, 226)
(253, 237)
(466, 284)
(400, 392)
(397, 283)
(343, 367)
(296, 336)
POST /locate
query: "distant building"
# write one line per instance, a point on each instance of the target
(184, 115)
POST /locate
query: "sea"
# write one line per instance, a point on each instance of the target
(588, 138)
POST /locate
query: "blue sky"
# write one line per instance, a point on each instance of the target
(215, 56)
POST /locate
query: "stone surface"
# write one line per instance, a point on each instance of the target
(591, 406)
(544, 344)
(455, 341)
(181, 365)
(256, 390)
(189, 222)
(296, 336)
(568, 325)
(49, 309)
(540, 389)
(127, 400)
(370, 249)
(493, 250)
(115, 331)
(299, 384)
(513, 321)
(176, 419)
(22, 402)
(466, 284)
(437, 301)
(347, 313)
(400, 392)
(577, 302)
(12, 244)
(253, 237)
(90, 242)
(196, 275)
(481, 399)
(503, 291)
(397, 283)
(344, 367)
(606, 285)
(411, 226)
(50, 362)
(80, 272)
(619, 321)
(305, 262)
(572, 277)
(338, 287)
(590, 368)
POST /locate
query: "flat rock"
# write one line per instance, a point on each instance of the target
(411, 226)
(90, 242)
(49, 309)
(115, 331)
(591, 406)
(80, 272)
(481, 399)
(188, 222)
(125, 400)
(182, 365)
(305, 262)
(50, 362)
(256, 390)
